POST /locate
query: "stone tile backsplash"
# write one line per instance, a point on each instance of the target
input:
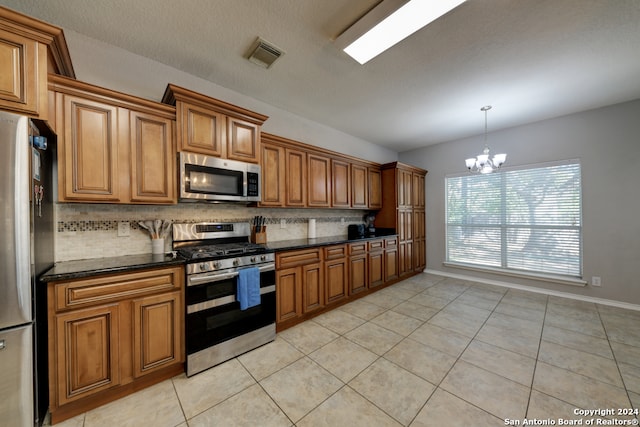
(91, 230)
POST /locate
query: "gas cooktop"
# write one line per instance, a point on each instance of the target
(221, 250)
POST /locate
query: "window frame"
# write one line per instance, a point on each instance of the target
(503, 226)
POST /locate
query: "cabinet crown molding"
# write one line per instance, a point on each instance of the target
(173, 94)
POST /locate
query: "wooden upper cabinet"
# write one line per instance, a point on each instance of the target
(296, 178)
(88, 151)
(319, 179)
(375, 188)
(359, 187)
(340, 184)
(201, 130)
(152, 158)
(29, 48)
(273, 174)
(418, 190)
(112, 147)
(243, 138)
(405, 181)
(209, 126)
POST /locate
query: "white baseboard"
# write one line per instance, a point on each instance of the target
(602, 301)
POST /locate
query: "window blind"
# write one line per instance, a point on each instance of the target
(527, 219)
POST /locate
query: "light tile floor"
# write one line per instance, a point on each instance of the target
(428, 351)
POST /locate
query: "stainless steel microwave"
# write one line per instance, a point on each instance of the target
(212, 179)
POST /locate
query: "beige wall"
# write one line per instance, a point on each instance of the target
(607, 142)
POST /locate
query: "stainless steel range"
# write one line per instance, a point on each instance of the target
(216, 327)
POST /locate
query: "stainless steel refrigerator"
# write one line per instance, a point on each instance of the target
(26, 251)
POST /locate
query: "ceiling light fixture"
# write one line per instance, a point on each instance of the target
(482, 163)
(388, 23)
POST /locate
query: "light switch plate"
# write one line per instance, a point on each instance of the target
(124, 229)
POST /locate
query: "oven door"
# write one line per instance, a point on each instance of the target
(214, 315)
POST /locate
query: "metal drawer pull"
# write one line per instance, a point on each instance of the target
(216, 277)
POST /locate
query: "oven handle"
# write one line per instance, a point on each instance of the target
(194, 308)
(216, 277)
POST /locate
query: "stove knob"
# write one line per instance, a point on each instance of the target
(216, 264)
(253, 259)
(236, 262)
(203, 267)
(263, 258)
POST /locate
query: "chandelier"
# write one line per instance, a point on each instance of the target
(482, 163)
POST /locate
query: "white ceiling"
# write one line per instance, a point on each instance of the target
(530, 59)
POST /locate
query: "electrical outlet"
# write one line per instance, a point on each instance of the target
(596, 281)
(124, 229)
(283, 223)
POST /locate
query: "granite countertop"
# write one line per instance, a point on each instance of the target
(67, 270)
(285, 245)
(91, 267)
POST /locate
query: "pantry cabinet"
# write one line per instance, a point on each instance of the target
(403, 209)
(213, 127)
(29, 49)
(111, 334)
(112, 148)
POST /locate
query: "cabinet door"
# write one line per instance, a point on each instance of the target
(296, 177)
(408, 257)
(288, 293)
(418, 190)
(273, 175)
(336, 279)
(341, 184)
(86, 352)
(23, 74)
(359, 187)
(242, 140)
(202, 130)
(419, 255)
(157, 332)
(375, 188)
(376, 268)
(88, 152)
(152, 159)
(391, 259)
(312, 287)
(405, 181)
(390, 264)
(357, 273)
(319, 179)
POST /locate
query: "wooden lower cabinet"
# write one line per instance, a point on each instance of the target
(336, 274)
(156, 332)
(111, 335)
(312, 287)
(87, 352)
(315, 280)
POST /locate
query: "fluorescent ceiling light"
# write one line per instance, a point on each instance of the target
(388, 23)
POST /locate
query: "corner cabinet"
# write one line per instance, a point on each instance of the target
(403, 208)
(111, 335)
(112, 147)
(29, 48)
(209, 126)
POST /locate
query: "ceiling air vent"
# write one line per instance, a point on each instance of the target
(264, 53)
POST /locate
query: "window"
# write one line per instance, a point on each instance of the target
(527, 220)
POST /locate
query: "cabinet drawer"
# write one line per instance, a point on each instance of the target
(357, 248)
(295, 258)
(376, 245)
(391, 243)
(335, 252)
(98, 290)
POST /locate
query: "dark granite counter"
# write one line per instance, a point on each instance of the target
(286, 245)
(91, 267)
(67, 270)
